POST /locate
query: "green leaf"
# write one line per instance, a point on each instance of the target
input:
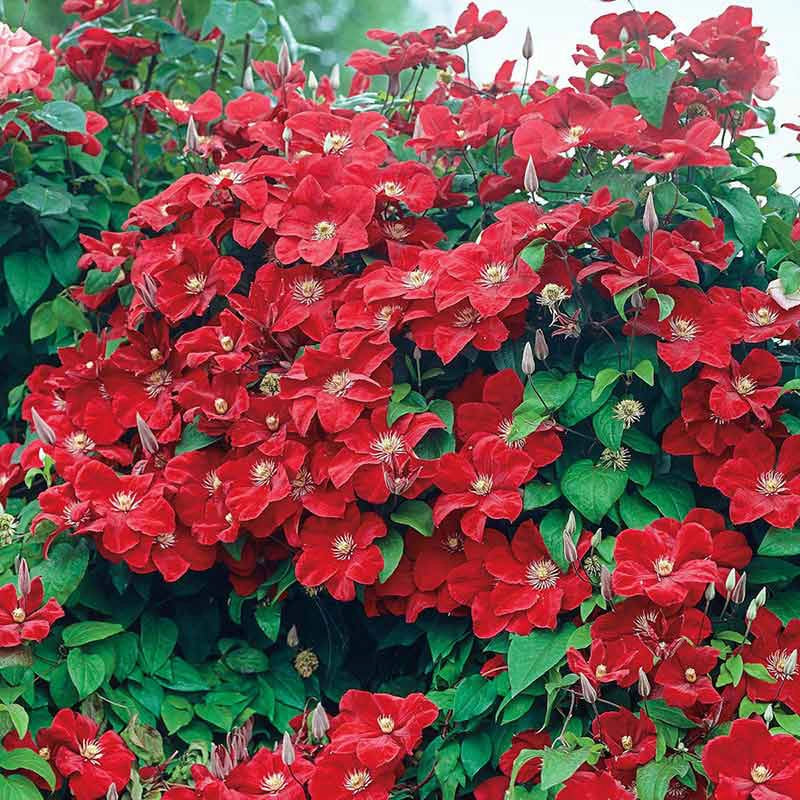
(772, 570)
(785, 605)
(592, 490)
(62, 115)
(69, 314)
(44, 322)
(193, 439)
(157, 639)
(235, 18)
(28, 276)
(391, 547)
(758, 671)
(47, 199)
(87, 672)
(176, 711)
(18, 787)
(779, 542)
(531, 656)
(649, 90)
(653, 779)
(64, 569)
(605, 378)
(474, 696)
(64, 263)
(476, 750)
(247, 661)
(268, 618)
(416, 515)
(81, 633)
(545, 393)
(789, 276)
(539, 493)
(22, 758)
(559, 765)
(671, 496)
(98, 280)
(645, 370)
(533, 255)
(607, 427)
(18, 716)
(746, 215)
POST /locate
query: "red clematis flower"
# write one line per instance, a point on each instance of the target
(695, 330)
(336, 382)
(253, 482)
(587, 785)
(90, 9)
(683, 677)
(760, 318)
(23, 618)
(530, 589)
(604, 665)
(772, 644)
(760, 487)
(317, 224)
(630, 740)
(639, 26)
(372, 449)
(207, 107)
(484, 479)
(10, 471)
(750, 762)
(380, 729)
(352, 140)
(746, 387)
(695, 149)
(668, 561)
(704, 244)
(340, 552)
(90, 763)
(526, 740)
(266, 777)
(127, 506)
(342, 777)
(108, 252)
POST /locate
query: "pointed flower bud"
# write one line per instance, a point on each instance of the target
(23, 578)
(637, 300)
(790, 667)
(769, 714)
(570, 551)
(740, 590)
(527, 45)
(588, 691)
(393, 89)
(112, 793)
(528, 361)
(192, 138)
(335, 78)
(597, 537)
(43, 430)
(711, 592)
(730, 581)
(320, 724)
(643, 684)
(248, 81)
(312, 81)
(288, 754)
(146, 436)
(540, 348)
(606, 592)
(761, 597)
(293, 638)
(752, 611)
(284, 61)
(650, 218)
(531, 180)
(148, 291)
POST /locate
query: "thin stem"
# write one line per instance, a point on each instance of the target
(217, 62)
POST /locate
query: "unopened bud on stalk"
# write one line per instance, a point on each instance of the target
(393, 89)
(740, 590)
(319, 722)
(531, 180)
(650, 218)
(637, 300)
(730, 581)
(293, 638)
(752, 611)
(643, 684)
(312, 81)
(146, 436)
(597, 537)
(769, 714)
(287, 750)
(790, 666)
(284, 61)
(248, 81)
(112, 793)
(528, 361)
(606, 592)
(540, 348)
(287, 139)
(335, 78)
(43, 430)
(624, 36)
(417, 354)
(761, 597)
(570, 551)
(23, 578)
(192, 139)
(587, 690)
(527, 45)
(711, 592)
(148, 290)
(419, 131)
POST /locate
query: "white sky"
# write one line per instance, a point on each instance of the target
(557, 25)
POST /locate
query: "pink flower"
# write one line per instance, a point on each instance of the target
(24, 64)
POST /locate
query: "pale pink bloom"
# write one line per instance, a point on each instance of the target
(785, 301)
(24, 63)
